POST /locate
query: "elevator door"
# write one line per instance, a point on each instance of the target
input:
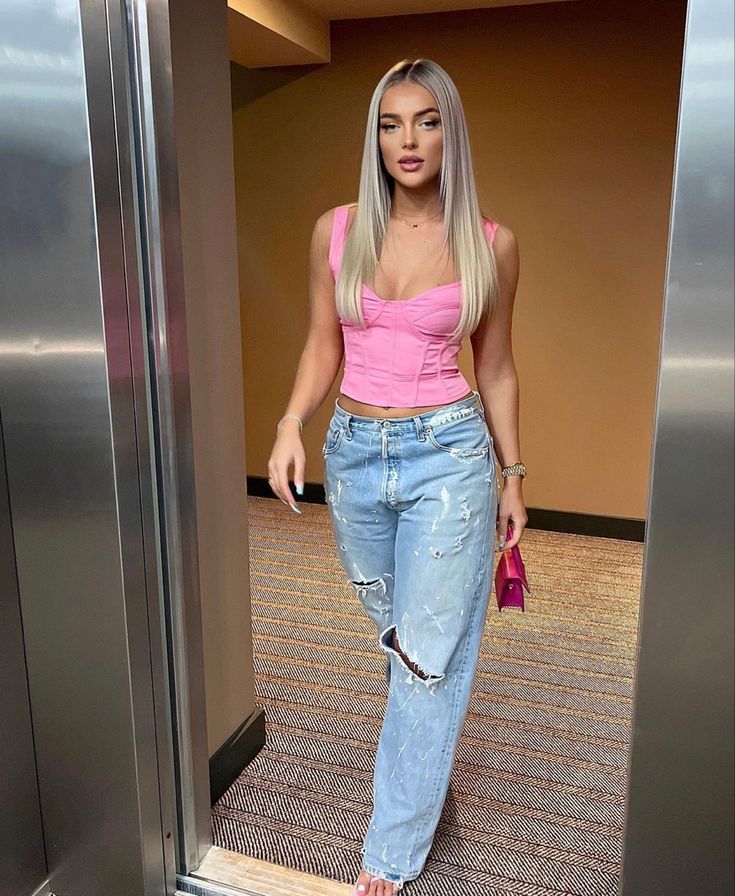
(22, 858)
(81, 618)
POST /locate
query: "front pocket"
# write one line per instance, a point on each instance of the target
(468, 437)
(334, 437)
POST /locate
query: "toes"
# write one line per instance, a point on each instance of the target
(374, 886)
(362, 885)
(382, 887)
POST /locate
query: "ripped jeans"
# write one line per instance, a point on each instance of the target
(413, 504)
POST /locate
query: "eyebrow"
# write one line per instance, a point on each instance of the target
(416, 114)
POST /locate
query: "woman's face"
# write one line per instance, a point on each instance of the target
(410, 125)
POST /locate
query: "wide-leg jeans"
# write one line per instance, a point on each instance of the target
(413, 505)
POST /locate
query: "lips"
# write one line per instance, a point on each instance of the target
(409, 159)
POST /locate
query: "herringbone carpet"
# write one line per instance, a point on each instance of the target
(535, 806)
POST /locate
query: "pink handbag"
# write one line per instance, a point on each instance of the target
(510, 577)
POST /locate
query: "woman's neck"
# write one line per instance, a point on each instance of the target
(416, 203)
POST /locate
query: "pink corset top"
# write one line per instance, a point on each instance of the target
(403, 357)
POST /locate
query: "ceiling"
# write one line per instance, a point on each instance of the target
(264, 33)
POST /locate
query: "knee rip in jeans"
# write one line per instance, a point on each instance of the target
(363, 587)
(378, 588)
(428, 678)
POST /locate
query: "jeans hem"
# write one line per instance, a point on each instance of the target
(390, 876)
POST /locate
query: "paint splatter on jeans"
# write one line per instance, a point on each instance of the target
(413, 503)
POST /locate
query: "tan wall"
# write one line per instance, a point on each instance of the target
(206, 184)
(572, 113)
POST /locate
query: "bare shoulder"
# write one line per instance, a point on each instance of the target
(505, 244)
(505, 234)
(325, 221)
(322, 232)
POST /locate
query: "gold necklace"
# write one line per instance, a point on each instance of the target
(415, 225)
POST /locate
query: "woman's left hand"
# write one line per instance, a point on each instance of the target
(511, 508)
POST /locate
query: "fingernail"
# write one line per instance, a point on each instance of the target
(294, 508)
(299, 488)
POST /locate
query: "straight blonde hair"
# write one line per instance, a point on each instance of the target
(464, 232)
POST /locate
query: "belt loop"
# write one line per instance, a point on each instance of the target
(347, 415)
(479, 399)
(419, 428)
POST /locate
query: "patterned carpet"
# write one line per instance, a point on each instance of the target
(535, 805)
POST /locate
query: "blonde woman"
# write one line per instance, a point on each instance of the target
(398, 279)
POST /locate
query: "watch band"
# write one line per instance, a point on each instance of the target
(518, 469)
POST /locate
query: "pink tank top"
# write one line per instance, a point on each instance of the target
(403, 357)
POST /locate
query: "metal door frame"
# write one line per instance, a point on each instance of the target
(140, 58)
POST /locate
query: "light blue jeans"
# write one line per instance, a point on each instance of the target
(413, 504)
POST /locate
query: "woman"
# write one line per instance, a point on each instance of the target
(409, 474)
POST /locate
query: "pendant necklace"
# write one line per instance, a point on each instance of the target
(414, 226)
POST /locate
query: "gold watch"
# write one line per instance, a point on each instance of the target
(518, 469)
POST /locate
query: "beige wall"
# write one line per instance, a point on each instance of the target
(206, 184)
(572, 113)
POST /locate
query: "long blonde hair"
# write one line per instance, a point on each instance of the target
(464, 232)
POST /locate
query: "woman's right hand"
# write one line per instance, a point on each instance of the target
(287, 450)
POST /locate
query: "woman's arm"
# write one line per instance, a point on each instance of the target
(317, 367)
(497, 382)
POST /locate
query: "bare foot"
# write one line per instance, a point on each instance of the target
(369, 885)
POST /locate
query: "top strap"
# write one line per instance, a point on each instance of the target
(491, 228)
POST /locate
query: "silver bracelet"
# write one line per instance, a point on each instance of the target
(293, 416)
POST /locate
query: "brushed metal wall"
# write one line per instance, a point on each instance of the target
(23, 857)
(679, 827)
(73, 403)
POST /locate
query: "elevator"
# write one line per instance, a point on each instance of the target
(106, 765)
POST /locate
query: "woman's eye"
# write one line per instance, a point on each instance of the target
(432, 121)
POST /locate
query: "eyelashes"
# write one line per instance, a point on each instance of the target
(432, 121)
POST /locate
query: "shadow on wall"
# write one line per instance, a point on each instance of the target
(249, 85)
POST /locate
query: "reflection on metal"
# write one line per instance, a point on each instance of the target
(168, 383)
(23, 859)
(78, 464)
(679, 825)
